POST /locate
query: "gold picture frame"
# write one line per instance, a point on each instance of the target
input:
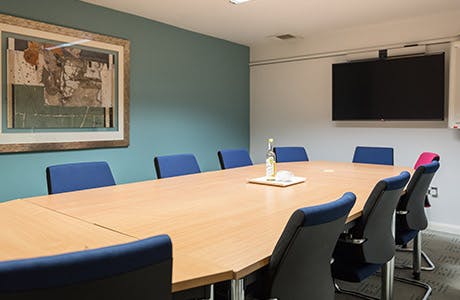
(66, 73)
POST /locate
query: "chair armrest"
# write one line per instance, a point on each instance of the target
(349, 239)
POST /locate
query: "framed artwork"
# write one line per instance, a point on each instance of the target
(61, 88)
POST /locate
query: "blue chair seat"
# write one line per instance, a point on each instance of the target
(403, 233)
(354, 271)
(351, 267)
(405, 236)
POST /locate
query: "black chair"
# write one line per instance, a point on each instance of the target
(411, 218)
(300, 267)
(138, 270)
(78, 176)
(370, 244)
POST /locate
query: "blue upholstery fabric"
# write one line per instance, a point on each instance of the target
(78, 176)
(77, 267)
(373, 155)
(431, 167)
(328, 212)
(354, 272)
(176, 165)
(290, 154)
(234, 158)
(397, 182)
(403, 234)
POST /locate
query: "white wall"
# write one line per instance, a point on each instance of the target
(292, 102)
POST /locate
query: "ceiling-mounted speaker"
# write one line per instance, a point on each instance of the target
(409, 50)
(385, 53)
(362, 55)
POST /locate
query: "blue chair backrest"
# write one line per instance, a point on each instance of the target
(234, 158)
(137, 270)
(373, 155)
(78, 176)
(413, 201)
(300, 264)
(375, 225)
(290, 154)
(176, 165)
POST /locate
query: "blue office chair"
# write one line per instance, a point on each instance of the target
(137, 270)
(176, 165)
(369, 245)
(290, 154)
(300, 265)
(78, 176)
(234, 158)
(411, 218)
(373, 155)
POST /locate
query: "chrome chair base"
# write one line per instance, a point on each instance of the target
(427, 287)
(430, 263)
(339, 290)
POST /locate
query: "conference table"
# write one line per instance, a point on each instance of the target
(221, 226)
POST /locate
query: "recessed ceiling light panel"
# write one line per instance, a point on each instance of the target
(238, 1)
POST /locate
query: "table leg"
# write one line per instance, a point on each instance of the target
(237, 289)
(211, 296)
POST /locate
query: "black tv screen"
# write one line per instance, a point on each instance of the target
(409, 88)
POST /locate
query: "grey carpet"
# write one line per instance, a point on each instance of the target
(444, 251)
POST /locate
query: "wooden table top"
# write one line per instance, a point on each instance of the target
(220, 225)
(29, 231)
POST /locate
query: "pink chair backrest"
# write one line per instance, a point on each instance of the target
(426, 158)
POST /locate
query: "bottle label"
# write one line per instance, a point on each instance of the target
(270, 167)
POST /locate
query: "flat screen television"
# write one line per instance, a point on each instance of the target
(408, 88)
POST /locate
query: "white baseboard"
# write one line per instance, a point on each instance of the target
(449, 228)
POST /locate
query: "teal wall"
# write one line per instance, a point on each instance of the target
(189, 93)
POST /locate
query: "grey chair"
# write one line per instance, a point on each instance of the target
(411, 218)
(300, 267)
(370, 244)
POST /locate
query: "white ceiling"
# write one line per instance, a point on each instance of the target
(254, 22)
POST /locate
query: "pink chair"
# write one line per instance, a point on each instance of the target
(423, 159)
